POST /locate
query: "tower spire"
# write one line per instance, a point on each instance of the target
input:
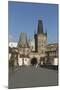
(23, 42)
(40, 27)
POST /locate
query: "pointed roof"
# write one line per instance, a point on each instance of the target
(40, 27)
(23, 42)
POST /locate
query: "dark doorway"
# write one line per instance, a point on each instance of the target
(33, 61)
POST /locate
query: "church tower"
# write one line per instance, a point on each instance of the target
(23, 42)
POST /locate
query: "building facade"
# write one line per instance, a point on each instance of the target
(52, 54)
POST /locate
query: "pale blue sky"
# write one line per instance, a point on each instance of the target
(23, 17)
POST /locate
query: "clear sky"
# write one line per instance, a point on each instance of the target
(23, 17)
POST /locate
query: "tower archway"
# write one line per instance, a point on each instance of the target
(33, 61)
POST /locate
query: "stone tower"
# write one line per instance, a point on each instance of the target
(40, 39)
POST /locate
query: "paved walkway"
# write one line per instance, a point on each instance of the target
(32, 77)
